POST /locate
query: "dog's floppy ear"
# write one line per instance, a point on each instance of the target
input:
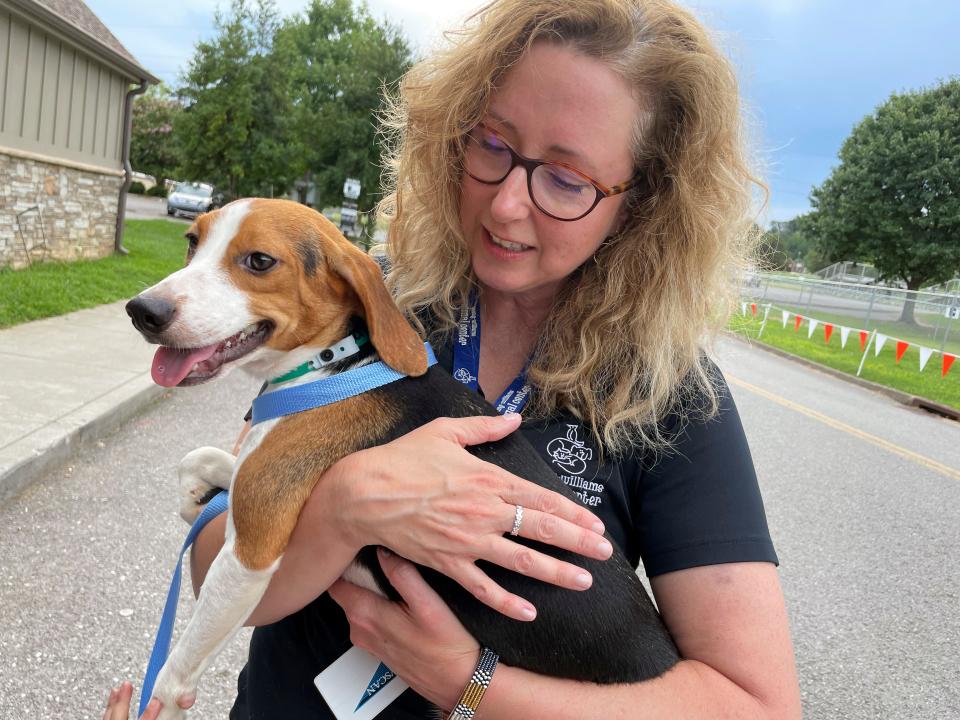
(397, 343)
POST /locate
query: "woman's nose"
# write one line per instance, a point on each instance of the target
(512, 200)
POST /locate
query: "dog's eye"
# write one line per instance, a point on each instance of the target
(192, 241)
(259, 262)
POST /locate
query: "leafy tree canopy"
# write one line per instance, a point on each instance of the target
(269, 102)
(894, 199)
(153, 149)
(236, 128)
(345, 58)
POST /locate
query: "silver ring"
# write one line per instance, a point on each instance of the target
(517, 519)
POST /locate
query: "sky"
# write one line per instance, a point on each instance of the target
(809, 70)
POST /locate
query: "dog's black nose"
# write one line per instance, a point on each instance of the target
(151, 315)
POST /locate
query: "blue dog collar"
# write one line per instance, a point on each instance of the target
(328, 390)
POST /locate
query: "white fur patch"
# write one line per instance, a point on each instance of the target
(210, 306)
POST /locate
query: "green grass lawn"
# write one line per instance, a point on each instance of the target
(47, 289)
(882, 369)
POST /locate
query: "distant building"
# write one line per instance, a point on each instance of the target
(66, 90)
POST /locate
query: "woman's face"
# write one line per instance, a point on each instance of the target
(554, 104)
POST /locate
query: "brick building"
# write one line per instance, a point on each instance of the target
(66, 91)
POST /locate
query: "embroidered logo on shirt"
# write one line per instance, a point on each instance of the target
(569, 453)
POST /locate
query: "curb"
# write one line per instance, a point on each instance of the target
(76, 430)
(898, 395)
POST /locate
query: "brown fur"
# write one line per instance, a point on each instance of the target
(338, 282)
(276, 479)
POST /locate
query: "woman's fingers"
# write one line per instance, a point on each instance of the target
(538, 565)
(517, 491)
(118, 705)
(407, 581)
(478, 429)
(552, 530)
(483, 588)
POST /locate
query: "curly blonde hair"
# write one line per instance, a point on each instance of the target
(624, 341)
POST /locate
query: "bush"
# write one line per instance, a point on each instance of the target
(157, 191)
(136, 187)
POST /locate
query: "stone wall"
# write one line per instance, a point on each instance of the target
(78, 208)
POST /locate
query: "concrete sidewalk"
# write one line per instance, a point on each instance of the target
(64, 382)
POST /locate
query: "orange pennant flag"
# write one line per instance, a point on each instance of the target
(863, 340)
(827, 332)
(753, 309)
(947, 362)
(901, 349)
(796, 323)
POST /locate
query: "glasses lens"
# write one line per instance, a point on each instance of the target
(562, 192)
(486, 157)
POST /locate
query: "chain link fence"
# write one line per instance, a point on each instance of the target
(922, 318)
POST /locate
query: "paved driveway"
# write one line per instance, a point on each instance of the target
(145, 207)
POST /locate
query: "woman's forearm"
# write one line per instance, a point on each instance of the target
(690, 690)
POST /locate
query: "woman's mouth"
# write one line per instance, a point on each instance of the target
(507, 246)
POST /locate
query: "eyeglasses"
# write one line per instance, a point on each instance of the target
(557, 189)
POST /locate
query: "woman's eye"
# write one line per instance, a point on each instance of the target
(567, 182)
(259, 262)
(491, 143)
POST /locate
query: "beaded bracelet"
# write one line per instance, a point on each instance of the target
(472, 694)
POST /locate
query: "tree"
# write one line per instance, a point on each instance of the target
(894, 200)
(236, 130)
(153, 149)
(345, 58)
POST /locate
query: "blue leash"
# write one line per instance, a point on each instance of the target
(161, 645)
(278, 403)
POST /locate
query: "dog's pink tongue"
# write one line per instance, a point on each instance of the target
(170, 365)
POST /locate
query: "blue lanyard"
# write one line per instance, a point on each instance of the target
(466, 362)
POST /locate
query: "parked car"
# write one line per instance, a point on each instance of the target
(191, 198)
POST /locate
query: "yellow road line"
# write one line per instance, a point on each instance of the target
(827, 420)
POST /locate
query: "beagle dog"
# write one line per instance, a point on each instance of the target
(269, 283)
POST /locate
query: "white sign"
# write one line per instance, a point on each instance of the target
(351, 188)
(952, 313)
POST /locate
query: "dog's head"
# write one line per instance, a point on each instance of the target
(264, 278)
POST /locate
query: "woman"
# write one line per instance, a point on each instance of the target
(573, 173)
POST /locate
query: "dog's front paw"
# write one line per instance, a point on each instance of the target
(177, 697)
(202, 472)
(172, 712)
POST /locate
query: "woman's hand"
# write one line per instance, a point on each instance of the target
(416, 638)
(118, 705)
(429, 500)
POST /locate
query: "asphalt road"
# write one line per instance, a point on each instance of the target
(862, 495)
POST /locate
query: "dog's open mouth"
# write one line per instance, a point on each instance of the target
(192, 366)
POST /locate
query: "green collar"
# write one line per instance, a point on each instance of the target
(347, 347)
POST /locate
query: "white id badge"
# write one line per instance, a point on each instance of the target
(357, 686)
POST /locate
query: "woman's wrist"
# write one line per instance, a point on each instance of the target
(469, 698)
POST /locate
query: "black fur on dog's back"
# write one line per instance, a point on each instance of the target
(610, 633)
